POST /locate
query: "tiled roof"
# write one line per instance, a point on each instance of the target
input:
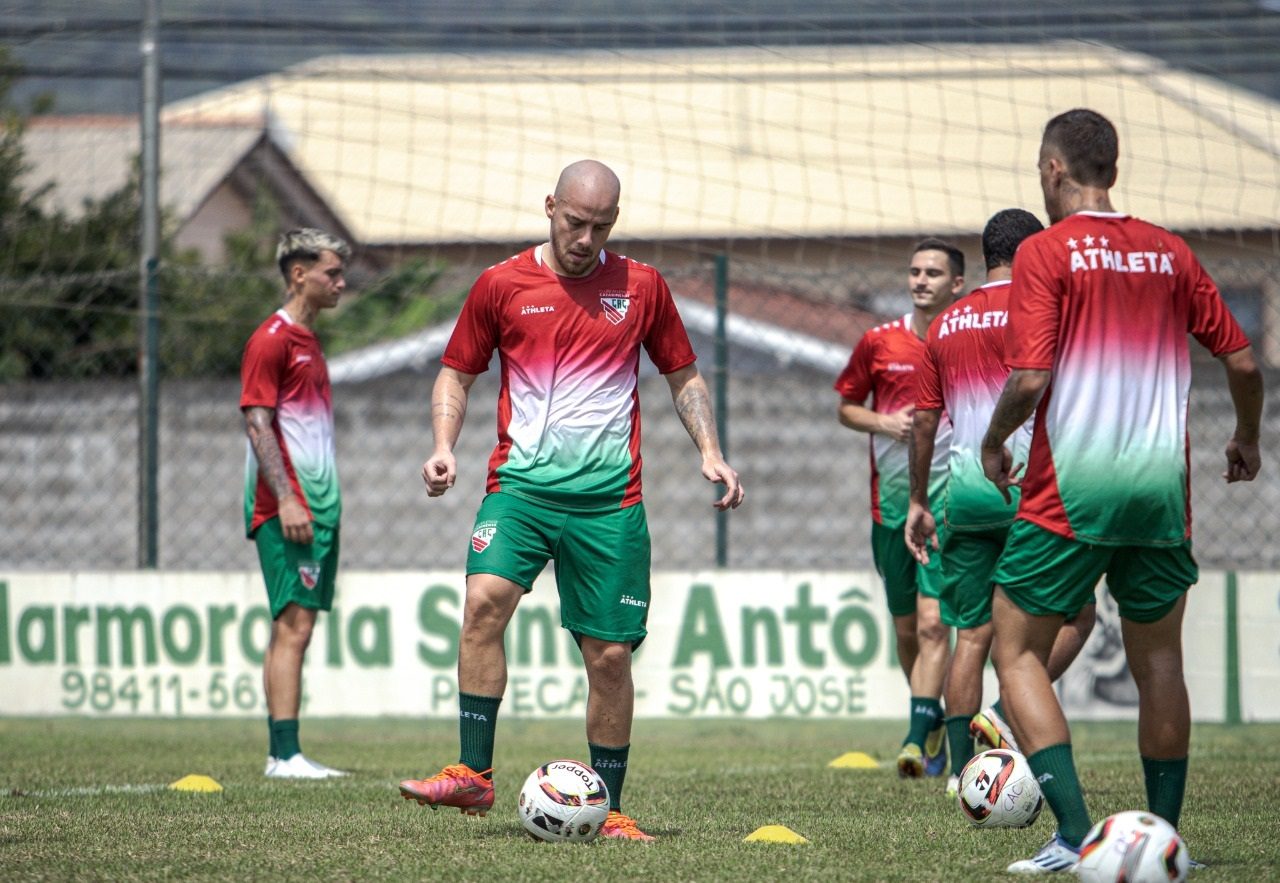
(762, 142)
(91, 157)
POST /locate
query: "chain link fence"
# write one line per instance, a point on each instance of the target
(69, 458)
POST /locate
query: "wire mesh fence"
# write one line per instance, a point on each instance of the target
(69, 461)
(802, 144)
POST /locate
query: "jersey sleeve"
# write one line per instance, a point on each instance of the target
(854, 382)
(262, 370)
(667, 341)
(1209, 321)
(1035, 307)
(475, 336)
(928, 381)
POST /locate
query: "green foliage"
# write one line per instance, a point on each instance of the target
(207, 313)
(699, 786)
(394, 305)
(70, 286)
(68, 289)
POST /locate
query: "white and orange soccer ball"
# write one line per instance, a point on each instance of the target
(564, 801)
(1133, 846)
(998, 790)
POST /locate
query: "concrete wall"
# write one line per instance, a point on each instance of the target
(68, 466)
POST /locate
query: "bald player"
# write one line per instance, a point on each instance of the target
(568, 320)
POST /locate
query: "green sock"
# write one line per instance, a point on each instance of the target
(286, 737)
(611, 764)
(271, 738)
(959, 741)
(926, 716)
(1166, 783)
(999, 709)
(477, 724)
(1056, 772)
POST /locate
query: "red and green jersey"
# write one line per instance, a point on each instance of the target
(885, 366)
(1106, 301)
(963, 373)
(569, 350)
(284, 369)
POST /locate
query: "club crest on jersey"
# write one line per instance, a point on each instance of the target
(615, 304)
(483, 535)
(309, 573)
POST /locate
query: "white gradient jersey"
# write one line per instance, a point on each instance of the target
(284, 369)
(885, 366)
(1106, 302)
(964, 373)
(569, 348)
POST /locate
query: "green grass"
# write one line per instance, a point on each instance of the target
(701, 787)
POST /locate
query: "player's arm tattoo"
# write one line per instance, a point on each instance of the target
(1022, 393)
(449, 398)
(257, 423)
(693, 405)
(451, 406)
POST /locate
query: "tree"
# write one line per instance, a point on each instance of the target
(69, 286)
(66, 286)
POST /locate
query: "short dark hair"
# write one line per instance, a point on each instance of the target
(1088, 144)
(304, 245)
(955, 257)
(1004, 233)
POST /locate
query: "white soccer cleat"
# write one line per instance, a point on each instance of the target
(271, 764)
(953, 787)
(328, 770)
(1054, 857)
(299, 767)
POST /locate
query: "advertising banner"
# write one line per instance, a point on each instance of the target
(721, 644)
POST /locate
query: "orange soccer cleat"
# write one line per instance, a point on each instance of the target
(990, 729)
(456, 785)
(621, 827)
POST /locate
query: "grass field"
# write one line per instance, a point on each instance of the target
(73, 804)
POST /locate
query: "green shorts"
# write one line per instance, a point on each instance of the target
(294, 573)
(1045, 573)
(902, 575)
(602, 561)
(968, 561)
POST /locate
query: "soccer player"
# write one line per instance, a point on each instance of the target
(1100, 311)
(884, 366)
(568, 320)
(962, 374)
(292, 503)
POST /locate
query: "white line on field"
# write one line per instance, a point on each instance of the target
(86, 791)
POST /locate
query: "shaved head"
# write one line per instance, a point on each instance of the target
(582, 211)
(590, 180)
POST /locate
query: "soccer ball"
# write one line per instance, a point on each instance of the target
(1136, 847)
(564, 802)
(998, 790)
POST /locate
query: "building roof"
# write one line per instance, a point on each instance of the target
(91, 157)
(754, 142)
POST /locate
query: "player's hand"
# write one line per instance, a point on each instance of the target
(921, 532)
(1243, 461)
(1000, 471)
(295, 523)
(717, 470)
(439, 472)
(897, 424)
